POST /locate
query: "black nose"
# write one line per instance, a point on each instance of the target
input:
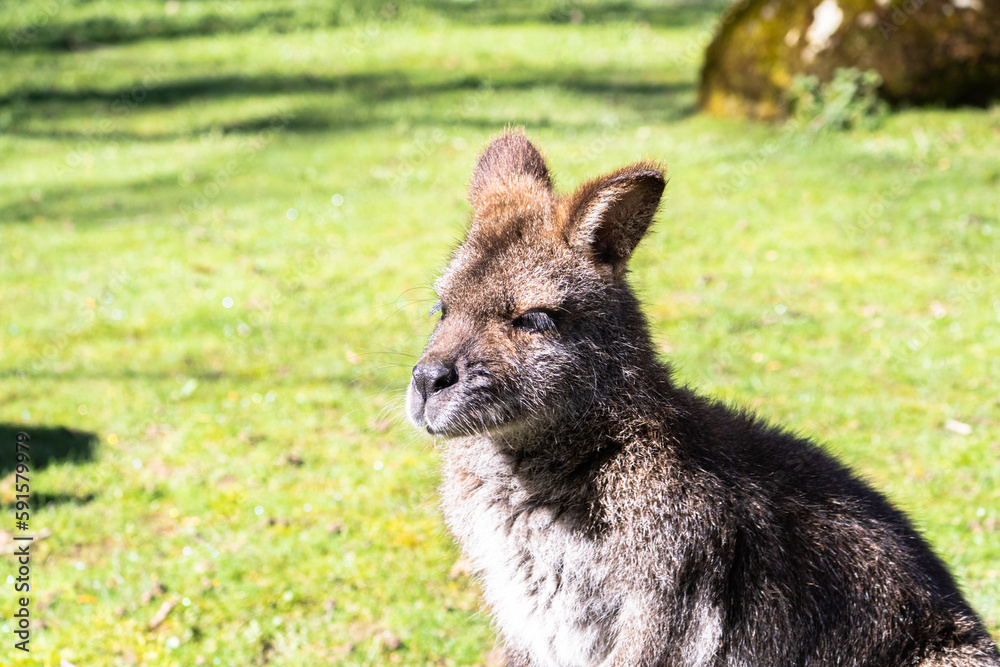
(430, 377)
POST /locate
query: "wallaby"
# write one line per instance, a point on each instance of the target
(616, 518)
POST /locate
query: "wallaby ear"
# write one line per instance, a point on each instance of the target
(507, 159)
(607, 217)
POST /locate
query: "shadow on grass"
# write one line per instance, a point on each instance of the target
(47, 445)
(374, 88)
(325, 104)
(676, 14)
(41, 499)
(90, 32)
(315, 105)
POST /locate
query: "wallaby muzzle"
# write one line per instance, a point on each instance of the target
(433, 397)
(430, 377)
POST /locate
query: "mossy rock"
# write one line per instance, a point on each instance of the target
(944, 52)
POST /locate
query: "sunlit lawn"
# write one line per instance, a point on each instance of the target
(215, 257)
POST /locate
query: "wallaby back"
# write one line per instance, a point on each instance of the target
(615, 518)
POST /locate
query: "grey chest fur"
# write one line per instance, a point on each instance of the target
(535, 561)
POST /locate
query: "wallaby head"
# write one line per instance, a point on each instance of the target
(534, 304)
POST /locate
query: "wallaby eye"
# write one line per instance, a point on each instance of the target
(536, 320)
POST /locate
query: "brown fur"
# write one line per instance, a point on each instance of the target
(616, 518)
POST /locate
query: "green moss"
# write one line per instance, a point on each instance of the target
(927, 52)
(850, 100)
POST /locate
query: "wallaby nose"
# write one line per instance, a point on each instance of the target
(430, 377)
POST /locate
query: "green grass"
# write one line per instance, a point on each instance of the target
(253, 459)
